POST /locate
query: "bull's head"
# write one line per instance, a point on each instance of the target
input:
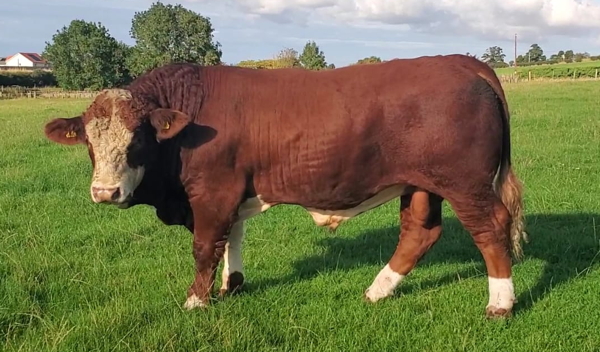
(121, 134)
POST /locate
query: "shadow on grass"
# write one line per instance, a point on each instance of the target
(568, 244)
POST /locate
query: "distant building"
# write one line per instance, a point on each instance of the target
(25, 60)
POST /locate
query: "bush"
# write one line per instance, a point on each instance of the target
(28, 79)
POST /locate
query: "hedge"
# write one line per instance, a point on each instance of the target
(28, 79)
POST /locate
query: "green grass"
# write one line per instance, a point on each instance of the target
(75, 276)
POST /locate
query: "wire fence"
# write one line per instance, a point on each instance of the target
(16, 92)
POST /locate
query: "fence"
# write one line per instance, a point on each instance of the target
(25, 68)
(551, 75)
(15, 92)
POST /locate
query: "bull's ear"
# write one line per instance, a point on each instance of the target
(168, 123)
(67, 131)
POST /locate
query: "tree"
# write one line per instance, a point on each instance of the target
(494, 57)
(84, 55)
(569, 56)
(369, 60)
(312, 57)
(167, 33)
(535, 53)
(287, 57)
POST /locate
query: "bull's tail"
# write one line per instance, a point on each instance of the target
(506, 184)
(510, 190)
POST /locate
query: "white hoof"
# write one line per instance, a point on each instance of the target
(193, 302)
(384, 284)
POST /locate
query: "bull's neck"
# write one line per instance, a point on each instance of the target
(180, 87)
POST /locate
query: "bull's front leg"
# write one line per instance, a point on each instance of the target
(212, 225)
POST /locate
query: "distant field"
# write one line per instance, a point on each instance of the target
(75, 276)
(511, 70)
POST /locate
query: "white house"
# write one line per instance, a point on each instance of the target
(33, 60)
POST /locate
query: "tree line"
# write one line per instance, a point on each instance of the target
(494, 56)
(85, 55)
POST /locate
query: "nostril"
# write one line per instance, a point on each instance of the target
(116, 193)
(101, 194)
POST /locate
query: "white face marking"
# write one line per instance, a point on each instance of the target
(333, 218)
(110, 139)
(384, 284)
(193, 302)
(232, 259)
(502, 295)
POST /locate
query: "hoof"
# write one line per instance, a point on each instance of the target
(493, 312)
(373, 295)
(234, 284)
(194, 302)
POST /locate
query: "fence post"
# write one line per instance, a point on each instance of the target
(529, 74)
(596, 76)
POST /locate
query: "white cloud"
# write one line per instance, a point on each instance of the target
(387, 44)
(482, 18)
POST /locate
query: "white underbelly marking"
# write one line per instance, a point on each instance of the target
(252, 207)
(333, 218)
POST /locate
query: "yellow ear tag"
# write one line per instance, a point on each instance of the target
(71, 134)
(167, 126)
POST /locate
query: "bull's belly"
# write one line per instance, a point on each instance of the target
(330, 218)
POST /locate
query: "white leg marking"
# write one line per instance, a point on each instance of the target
(502, 295)
(193, 302)
(232, 259)
(384, 284)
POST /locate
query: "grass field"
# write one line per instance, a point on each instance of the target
(75, 276)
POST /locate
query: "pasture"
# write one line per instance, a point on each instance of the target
(75, 276)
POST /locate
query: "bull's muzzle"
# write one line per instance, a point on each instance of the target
(105, 195)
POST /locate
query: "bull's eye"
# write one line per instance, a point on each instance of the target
(140, 150)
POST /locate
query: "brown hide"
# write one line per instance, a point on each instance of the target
(331, 139)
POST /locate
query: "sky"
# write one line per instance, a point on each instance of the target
(345, 30)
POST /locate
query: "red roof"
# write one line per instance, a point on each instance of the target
(33, 57)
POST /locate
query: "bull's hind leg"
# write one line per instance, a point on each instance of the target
(232, 277)
(488, 221)
(421, 221)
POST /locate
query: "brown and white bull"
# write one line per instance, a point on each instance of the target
(210, 147)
